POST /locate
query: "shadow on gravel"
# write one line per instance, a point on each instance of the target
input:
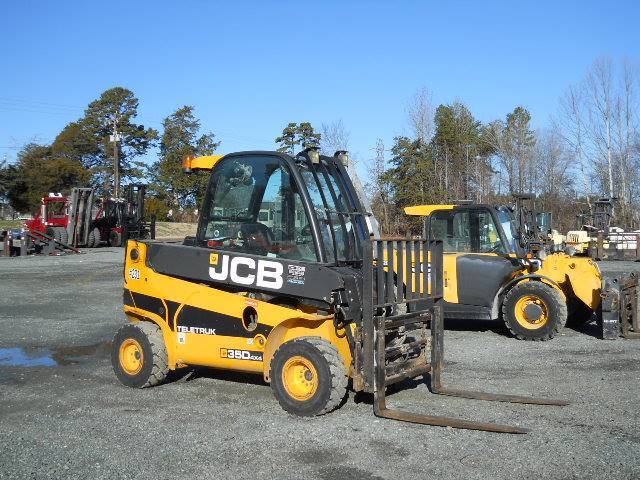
(591, 329)
(472, 325)
(409, 384)
(194, 373)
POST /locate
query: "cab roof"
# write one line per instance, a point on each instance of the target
(426, 210)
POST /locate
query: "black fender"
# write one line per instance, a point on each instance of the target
(497, 300)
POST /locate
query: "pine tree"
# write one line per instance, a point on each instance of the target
(181, 137)
(297, 135)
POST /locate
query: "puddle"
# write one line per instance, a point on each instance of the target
(45, 357)
(18, 357)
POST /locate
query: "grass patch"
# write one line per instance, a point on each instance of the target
(6, 224)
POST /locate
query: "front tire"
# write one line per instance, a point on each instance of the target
(139, 355)
(308, 376)
(534, 311)
(93, 240)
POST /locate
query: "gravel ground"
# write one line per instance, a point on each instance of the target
(74, 420)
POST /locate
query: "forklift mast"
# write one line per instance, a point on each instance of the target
(531, 235)
(81, 206)
(134, 194)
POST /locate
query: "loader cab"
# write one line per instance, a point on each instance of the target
(55, 211)
(480, 244)
(480, 229)
(275, 205)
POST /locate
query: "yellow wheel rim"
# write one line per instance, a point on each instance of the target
(523, 314)
(300, 378)
(131, 356)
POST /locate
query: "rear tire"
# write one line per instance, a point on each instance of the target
(308, 376)
(139, 355)
(93, 240)
(524, 301)
(115, 239)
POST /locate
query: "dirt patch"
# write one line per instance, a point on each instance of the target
(165, 230)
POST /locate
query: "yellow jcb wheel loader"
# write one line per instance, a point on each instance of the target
(285, 279)
(496, 267)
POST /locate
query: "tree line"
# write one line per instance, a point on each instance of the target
(590, 149)
(83, 154)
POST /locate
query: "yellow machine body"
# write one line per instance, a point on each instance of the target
(160, 298)
(576, 278)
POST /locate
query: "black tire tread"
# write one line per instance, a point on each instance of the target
(160, 368)
(338, 371)
(558, 303)
(91, 239)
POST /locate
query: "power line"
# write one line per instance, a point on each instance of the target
(35, 102)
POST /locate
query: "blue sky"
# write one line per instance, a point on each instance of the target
(249, 68)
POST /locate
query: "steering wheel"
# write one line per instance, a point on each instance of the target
(495, 248)
(305, 231)
(257, 236)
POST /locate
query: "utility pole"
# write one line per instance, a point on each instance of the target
(115, 138)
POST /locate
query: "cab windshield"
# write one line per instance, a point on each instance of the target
(57, 209)
(505, 217)
(253, 206)
(328, 197)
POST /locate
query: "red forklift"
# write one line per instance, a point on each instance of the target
(82, 220)
(52, 218)
(121, 219)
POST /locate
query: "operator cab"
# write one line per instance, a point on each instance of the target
(477, 229)
(275, 205)
(55, 210)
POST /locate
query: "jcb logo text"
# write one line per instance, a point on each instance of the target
(247, 271)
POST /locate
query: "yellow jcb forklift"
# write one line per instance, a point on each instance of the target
(496, 266)
(285, 279)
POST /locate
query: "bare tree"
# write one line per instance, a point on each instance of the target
(626, 128)
(600, 101)
(420, 113)
(334, 137)
(570, 124)
(554, 163)
(378, 189)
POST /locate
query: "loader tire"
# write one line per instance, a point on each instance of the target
(93, 240)
(139, 355)
(308, 376)
(534, 311)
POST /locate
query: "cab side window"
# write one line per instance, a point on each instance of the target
(489, 238)
(466, 231)
(453, 229)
